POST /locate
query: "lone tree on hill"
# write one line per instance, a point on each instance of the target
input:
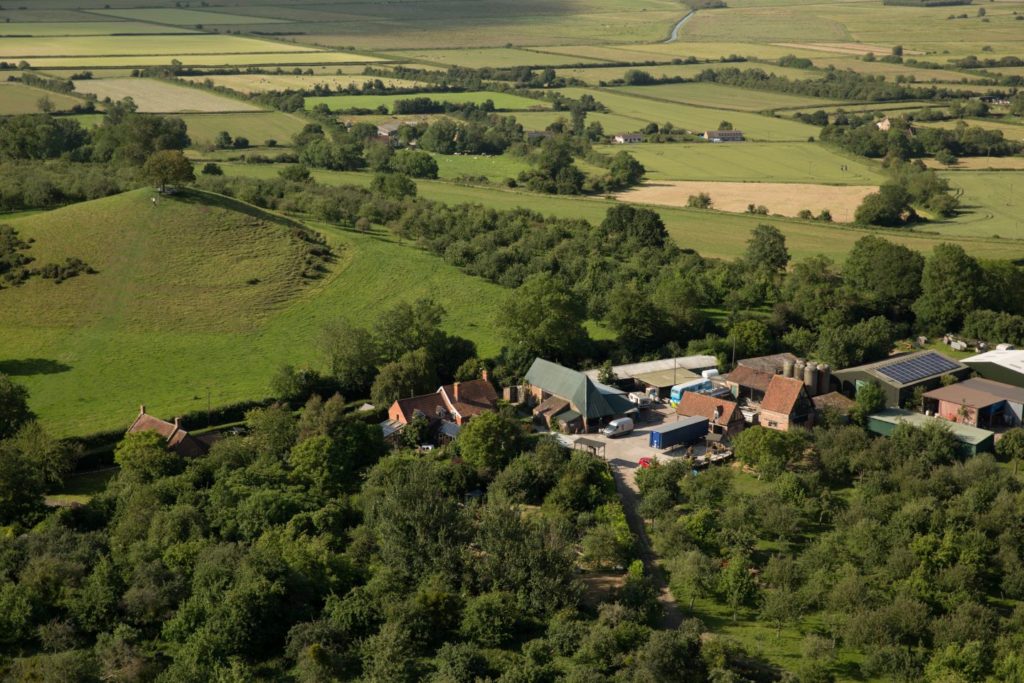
(168, 166)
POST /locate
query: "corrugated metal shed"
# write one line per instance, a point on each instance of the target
(975, 440)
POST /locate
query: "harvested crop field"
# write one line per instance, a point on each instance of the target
(103, 46)
(786, 199)
(846, 48)
(157, 97)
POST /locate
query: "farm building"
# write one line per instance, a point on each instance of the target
(786, 404)
(457, 403)
(772, 364)
(628, 138)
(723, 135)
(659, 375)
(900, 375)
(1005, 365)
(177, 439)
(571, 400)
(748, 384)
(978, 402)
(972, 440)
(724, 416)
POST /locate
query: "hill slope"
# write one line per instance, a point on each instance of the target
(197, 294)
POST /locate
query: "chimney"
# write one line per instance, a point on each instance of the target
(177, 424)
(455, 390)
(484, 375)
(142, 409)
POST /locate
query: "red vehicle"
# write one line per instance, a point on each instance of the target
(645, 463)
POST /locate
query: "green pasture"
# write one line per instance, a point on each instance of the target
(496, 23)
(264, 59)
(717, 49)
(879, 107)
(84, 28)
(992, 204)
(502, 101)
(774, 162)
(496, 168)
(185, 17)
(251, 83)
(497, 57)
(890, 71)
(257, 126)
(1010, 128)
(16, 98)
(913, 27)
(52, 15)
(595, 75)
(712, 233)
(171, 315)
(80, 488)
(722, 96)
(115, 46)
(754, 126)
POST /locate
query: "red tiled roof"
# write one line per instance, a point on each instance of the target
(178, 440)
(427, 404)
(833, 400)
(475, 397)
(782, 395)
(705, 406)
(749, 377)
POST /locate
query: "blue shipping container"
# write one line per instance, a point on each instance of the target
(685, 430)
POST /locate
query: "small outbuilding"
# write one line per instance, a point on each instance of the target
(627, 138)
(972, 439)
(978, 402)
(786, 404)
(723, 135)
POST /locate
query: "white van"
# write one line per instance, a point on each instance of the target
(620, 427)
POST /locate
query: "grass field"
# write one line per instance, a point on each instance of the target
(497, 168)
(170, 316)
(156, 96)
(780, 162)
(502, 101)
(498, 57)
(594, 75)
(253, 83)
(722, 96)
(1011, 131)
(80, 488)
(186, 17)
(785, 199)
(754, 126)
(993, 204)
(16, 98)
(84, 28)
(712, 233)
(114, 46)
(980, 164)
(257, 126)
(266, 59)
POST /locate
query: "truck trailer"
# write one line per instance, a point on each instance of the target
(683, 431)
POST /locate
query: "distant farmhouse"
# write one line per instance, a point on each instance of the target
(723, 135)
(177, 439)
(628, 138)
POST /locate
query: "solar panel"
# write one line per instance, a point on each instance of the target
(917, 368)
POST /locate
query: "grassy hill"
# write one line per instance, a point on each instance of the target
(196, 294)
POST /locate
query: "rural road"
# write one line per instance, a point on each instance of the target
(625, 483)
(623, 455)
(674, 36)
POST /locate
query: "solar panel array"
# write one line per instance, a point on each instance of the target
(917, 368)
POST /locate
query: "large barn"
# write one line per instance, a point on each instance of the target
(900, 375)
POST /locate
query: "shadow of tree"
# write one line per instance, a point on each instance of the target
(32, 366)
